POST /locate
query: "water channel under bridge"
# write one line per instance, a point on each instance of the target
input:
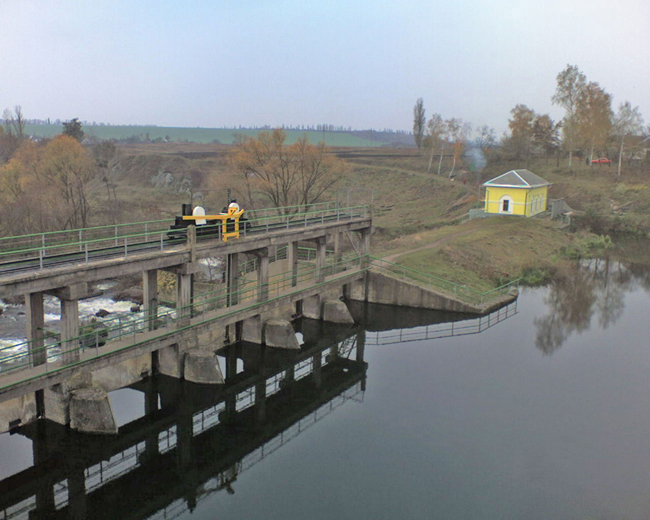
(194, 441)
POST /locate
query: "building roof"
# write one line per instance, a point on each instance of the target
(517, 179)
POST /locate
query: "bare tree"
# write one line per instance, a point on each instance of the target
(14, 122)
(570, 83)
(13, 132)
(546, 134)
(485, 138)
(627, 123)
(457, 132)
(434, 139)
(288, 175)
(521, 131)
(419, 120)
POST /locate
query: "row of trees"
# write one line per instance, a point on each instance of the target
(440, 137)
(590, 123)
(589, 127)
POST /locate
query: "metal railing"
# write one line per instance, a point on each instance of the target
(28, 354)
(39, 251)
(462, 292)
(442, 330)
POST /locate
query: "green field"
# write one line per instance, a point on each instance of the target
(199, 135)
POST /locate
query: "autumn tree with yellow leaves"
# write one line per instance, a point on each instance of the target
(46, 187)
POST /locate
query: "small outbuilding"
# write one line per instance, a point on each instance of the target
(517, 192)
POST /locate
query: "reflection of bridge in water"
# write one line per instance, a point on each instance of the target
(454, 325)
(193, 440)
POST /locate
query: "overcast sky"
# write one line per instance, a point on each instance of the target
(360, 63)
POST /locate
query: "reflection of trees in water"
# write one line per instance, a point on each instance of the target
(597, 286)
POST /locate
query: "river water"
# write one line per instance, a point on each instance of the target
(544, 413)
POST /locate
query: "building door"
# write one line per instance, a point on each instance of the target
(506, 204)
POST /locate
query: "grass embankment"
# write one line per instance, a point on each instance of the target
(485, 253)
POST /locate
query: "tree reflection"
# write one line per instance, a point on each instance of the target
(596, 287)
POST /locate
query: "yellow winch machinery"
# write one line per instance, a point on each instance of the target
(228, 222)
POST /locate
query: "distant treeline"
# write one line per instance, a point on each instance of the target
(333, 136)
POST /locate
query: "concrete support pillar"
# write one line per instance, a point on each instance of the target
(69, 331)
(170, 361)
(293, 262)
(263, 274)
(311, 307)
(321, 250)
(233, 279)
(252, 329)
(35, 323)
(183, 295)
(365, 247)
(337, 247)
(150, 297)
(191, 242)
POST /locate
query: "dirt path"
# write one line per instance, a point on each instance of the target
(435, 243)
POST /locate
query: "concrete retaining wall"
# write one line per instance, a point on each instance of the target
(380, 288)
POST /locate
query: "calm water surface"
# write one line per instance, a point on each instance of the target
(543, 415)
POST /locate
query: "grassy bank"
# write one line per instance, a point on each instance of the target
(485, 253)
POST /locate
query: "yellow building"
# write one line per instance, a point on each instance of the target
(517, 192)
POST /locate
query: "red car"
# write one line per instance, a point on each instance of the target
(601, 160)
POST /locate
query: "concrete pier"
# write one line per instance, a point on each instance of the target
(150, 297)
(335, 311)
(201, 366)
(280, 333)
(91, 411)
(35, 327)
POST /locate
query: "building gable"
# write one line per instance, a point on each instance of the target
(517, 179)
